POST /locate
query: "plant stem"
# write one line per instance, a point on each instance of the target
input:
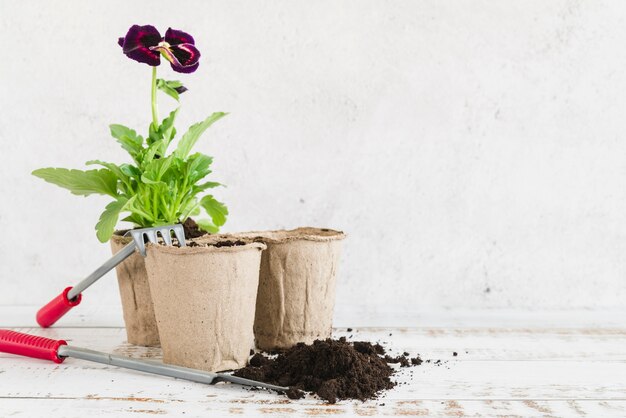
(155, 110)
(184, 216)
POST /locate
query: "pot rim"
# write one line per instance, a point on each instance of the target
(120, 237)
(305, 233)
(205, 249)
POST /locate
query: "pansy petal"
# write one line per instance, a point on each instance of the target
(186, 70)
(145, 55)
(176, 37)
(186, 54)
(184, 57)
(167, 53)
(138, 41)
(141, 36)
(120, 41)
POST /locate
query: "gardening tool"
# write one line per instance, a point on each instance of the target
(72, 296)
(57, 350)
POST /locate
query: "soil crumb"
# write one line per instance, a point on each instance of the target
(416, 361)
(333, 369)
(294, 393)
(192, 230)
(403, 360)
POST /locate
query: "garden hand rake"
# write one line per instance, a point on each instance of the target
(72, 296)
(57, 350)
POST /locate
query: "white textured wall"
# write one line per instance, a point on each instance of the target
(474, 151)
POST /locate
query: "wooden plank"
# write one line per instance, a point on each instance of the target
(498, 364)
(145, 407)
(504, 370)
(494, 380)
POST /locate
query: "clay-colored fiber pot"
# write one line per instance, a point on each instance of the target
(141, 327)
(296, 296)
(204, 299)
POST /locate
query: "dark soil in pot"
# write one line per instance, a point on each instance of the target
(192, 230)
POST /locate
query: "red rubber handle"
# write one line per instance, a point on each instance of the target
(56, 308)
(30, 345)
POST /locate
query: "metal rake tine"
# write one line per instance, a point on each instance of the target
(165, 234)
(180, 234)
(138, 236)
(151, 234)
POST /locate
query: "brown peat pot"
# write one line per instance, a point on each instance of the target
(204, 299)
(296, 296)
(132, 278)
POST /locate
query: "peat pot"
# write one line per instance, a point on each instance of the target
(296, 296)
(132, 278)
(204, 299)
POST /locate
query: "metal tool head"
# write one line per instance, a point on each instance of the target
(153, 234)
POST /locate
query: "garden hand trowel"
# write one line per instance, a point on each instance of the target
(72, 296)
(57, 350)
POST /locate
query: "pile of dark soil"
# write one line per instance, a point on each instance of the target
(333, 369)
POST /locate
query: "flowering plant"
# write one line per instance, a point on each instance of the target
(156, 188)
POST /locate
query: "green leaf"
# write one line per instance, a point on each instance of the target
(193, 134)
(167, 129)
(161, 135)
(208, 185)
(128, 138)
(82, 183)
(152, 150)
(145, 178)
(135, 219)
(174, 83)
(113, 167)
(156, 170)
(138, 211)
(130, 171)
(198, 166)
(216, 210)
(153, 134)
(169, 87)
(207, 225)
(106, 224)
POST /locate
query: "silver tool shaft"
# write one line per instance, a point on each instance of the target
(108, 265)
(159, 368)
(72, 296)
(138, 236)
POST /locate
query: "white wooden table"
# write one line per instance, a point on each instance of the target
(509, 364)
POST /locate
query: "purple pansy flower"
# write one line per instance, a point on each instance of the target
(145, 44)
